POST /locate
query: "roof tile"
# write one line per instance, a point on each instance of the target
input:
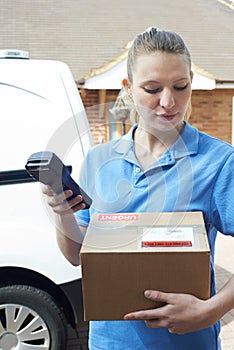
(88, 35)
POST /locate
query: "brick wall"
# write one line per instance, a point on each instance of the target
(211, 113)
(96, 113)
(91, 103)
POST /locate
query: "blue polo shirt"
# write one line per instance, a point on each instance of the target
(194, 174)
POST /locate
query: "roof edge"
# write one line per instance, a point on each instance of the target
(203, 72)
(107, 66)
(228, 3)
(121, 57)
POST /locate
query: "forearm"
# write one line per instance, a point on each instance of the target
(223, 301)
(185, 313)
(213, 309)
(69, 237)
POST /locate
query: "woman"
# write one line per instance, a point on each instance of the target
(162, 164)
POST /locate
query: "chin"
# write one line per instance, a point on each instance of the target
(154, 124)
(164, 127)
(168, 125)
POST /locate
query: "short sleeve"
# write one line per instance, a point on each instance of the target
(222, 201)
(83, 216)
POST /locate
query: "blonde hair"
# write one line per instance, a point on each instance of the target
(149, 42)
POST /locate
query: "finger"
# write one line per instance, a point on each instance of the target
(160, 324)
(151, 314)
(155, 295)
(155, 323)
(78, 207)
(56, 199)
(74, 201)
(46, 189)
(66, 207)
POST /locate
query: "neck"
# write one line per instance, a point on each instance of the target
(151, 145)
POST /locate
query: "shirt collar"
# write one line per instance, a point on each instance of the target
(186, 144)
(124, 144)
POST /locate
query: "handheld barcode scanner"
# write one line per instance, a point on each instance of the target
(48, 168)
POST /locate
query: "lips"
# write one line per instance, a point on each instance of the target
(167, 115)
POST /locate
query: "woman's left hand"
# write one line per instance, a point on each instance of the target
(182, 313)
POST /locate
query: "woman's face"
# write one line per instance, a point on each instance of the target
(161, 90)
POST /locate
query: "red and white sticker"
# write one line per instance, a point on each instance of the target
(167, 237)
(118, 217)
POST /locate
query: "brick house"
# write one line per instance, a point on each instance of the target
(92, 38)
(212, 104)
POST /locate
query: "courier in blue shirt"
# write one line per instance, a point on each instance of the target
(162, 164)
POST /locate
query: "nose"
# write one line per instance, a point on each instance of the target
(167, 99)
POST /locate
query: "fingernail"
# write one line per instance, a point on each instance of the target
(148, 293)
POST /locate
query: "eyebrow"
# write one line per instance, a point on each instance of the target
(175, 81)
(157, 82)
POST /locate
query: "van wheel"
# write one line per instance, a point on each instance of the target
(30, 318)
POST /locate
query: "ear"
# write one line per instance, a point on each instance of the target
(191, 75)
(126, 84)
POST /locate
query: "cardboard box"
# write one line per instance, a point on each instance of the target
(125, 254)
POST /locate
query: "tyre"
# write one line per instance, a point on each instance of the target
(30, 318)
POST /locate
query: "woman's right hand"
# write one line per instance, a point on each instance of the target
(58, 201)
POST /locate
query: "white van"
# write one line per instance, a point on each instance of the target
(40, 292)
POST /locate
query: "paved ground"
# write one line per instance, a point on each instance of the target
(78, 340)
(224, 269)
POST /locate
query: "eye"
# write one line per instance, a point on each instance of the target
(180, 88)
(151, 91)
